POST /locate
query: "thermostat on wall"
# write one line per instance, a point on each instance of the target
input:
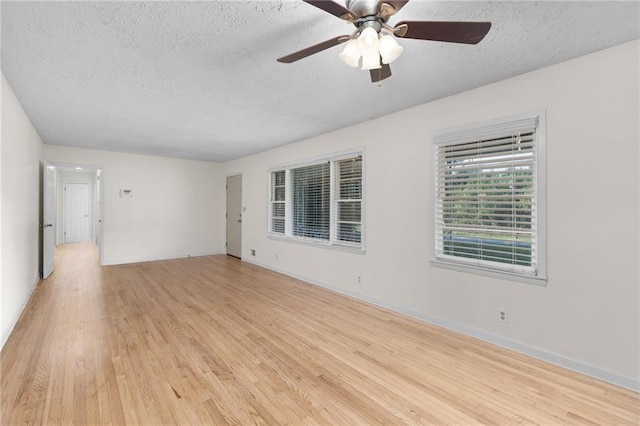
(126, 193)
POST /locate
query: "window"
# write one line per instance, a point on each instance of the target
(349, 200)
(277, 202)
(311, 201)
(319, 202)
(489, 198)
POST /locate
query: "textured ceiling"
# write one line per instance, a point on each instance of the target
(200, 79)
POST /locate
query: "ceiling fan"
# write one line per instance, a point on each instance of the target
(374, 40)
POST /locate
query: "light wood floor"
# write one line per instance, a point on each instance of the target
(213, 340)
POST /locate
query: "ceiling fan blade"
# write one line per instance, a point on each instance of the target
(301, 54)
(333, 8)
(396, 4)
(452, 32)
(380, 74)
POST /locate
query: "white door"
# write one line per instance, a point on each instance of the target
(48, 219)
(76, 212)
(99, 188)
(234, 215)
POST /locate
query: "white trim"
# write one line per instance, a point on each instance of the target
(541, 198)
(17, 316)
(85, 167)
(471, 132)
(318, 159)
(473, 269)
(626, 382)
(233, 174)
(317, 243)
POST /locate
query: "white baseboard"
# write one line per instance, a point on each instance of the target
(16, 317)
(127, 260)
(559, 360)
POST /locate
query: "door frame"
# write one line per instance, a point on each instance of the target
(242, 210)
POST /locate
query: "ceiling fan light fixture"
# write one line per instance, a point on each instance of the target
(351, 54)
(368, 40)
(390, 50)
(371, 61)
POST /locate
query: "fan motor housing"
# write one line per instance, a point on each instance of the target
(363, 8)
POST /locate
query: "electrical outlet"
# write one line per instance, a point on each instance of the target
(359, 280)
(503, 315)
(253, 252)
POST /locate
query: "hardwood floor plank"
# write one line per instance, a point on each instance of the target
(214, 340)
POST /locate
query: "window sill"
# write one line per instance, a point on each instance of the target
(318, 244)
(454, 266)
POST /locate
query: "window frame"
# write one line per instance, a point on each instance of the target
(332, 242)
(457, 135)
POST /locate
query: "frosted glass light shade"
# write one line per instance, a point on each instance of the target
(368, 41)
(371, 61)
(351, 55)
(389, 49)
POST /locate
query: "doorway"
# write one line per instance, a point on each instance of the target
(234, 216)
(72, 209)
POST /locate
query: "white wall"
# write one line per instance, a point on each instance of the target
(177, 209)
(20, 165)
(62, 178)
(2, 309)
(587, 317)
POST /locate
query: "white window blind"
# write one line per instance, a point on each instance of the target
(319, 202)
(348, 207)
(311, 201)
(487, 197)
(277, 203)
